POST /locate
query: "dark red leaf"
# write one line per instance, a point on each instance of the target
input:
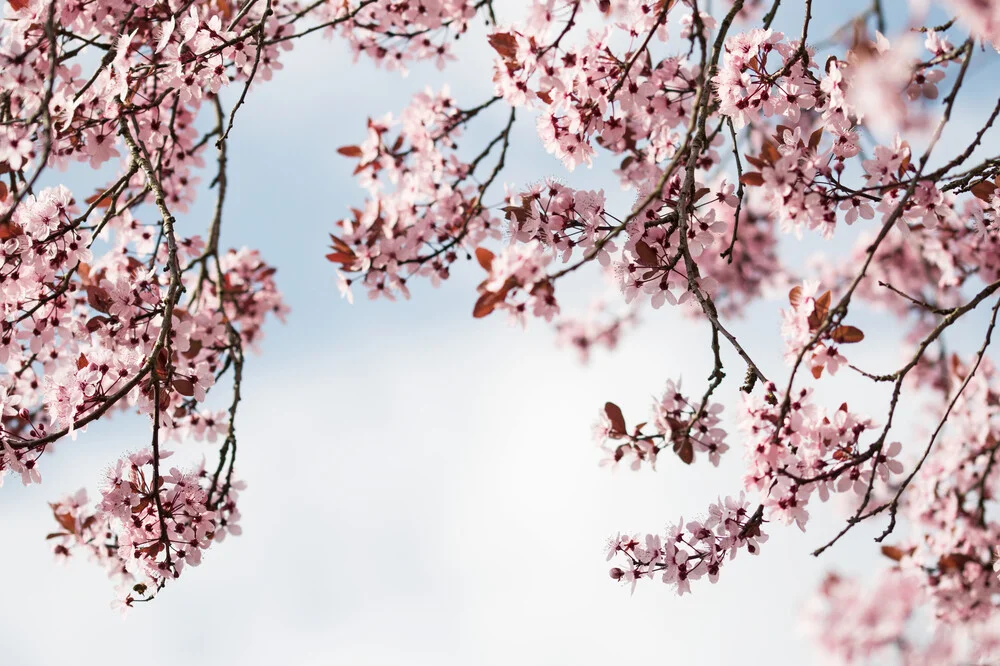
(815, 138)
(184, 386)
(614, 413)
(684, 450)
(350, 151)
(647, 255)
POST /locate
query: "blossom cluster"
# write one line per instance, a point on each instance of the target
(799, 450)
(144, 532)
(684, 425)
(689, 552)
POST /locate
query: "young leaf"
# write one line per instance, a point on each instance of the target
(614, 413)
(504, 43)
(820, 309)
(847, 334)
(646, 254)
(66, 520)
(350, 151)
(983, 190)
(485, 305)
(684, 450)
(770, 153)
(795, 296)
(184, 386)
(485, 258)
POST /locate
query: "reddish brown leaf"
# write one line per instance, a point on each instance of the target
(340, 245)
(815, 138)
(983, 190)
(504, 43)
(752, 178)
(9, 230)
(82, 362)
(820, 309)
(98, 200)
(769, 152)
(160, 367)
(3, 191)
(817, 371)
(94, 323)
(350, 151)
(823, 302)
(164, 400)
(544, 96)
(614, 413)
(17, 5)
(847, 334)
(66, 520)
(98, 299)
(756, 161)
(954, 562)
(646, 254)
(893, 552)
(193, 349)
(520, 213)
(904, 165)
(684, 450)
(184, 386)
(795, 296)
(485, 305)
(485, 258)
(341, 258)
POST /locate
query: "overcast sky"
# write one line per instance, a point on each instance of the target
(423, 487)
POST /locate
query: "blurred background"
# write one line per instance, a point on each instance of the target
(424, 487)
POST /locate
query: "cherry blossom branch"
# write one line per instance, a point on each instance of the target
(253, 71)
